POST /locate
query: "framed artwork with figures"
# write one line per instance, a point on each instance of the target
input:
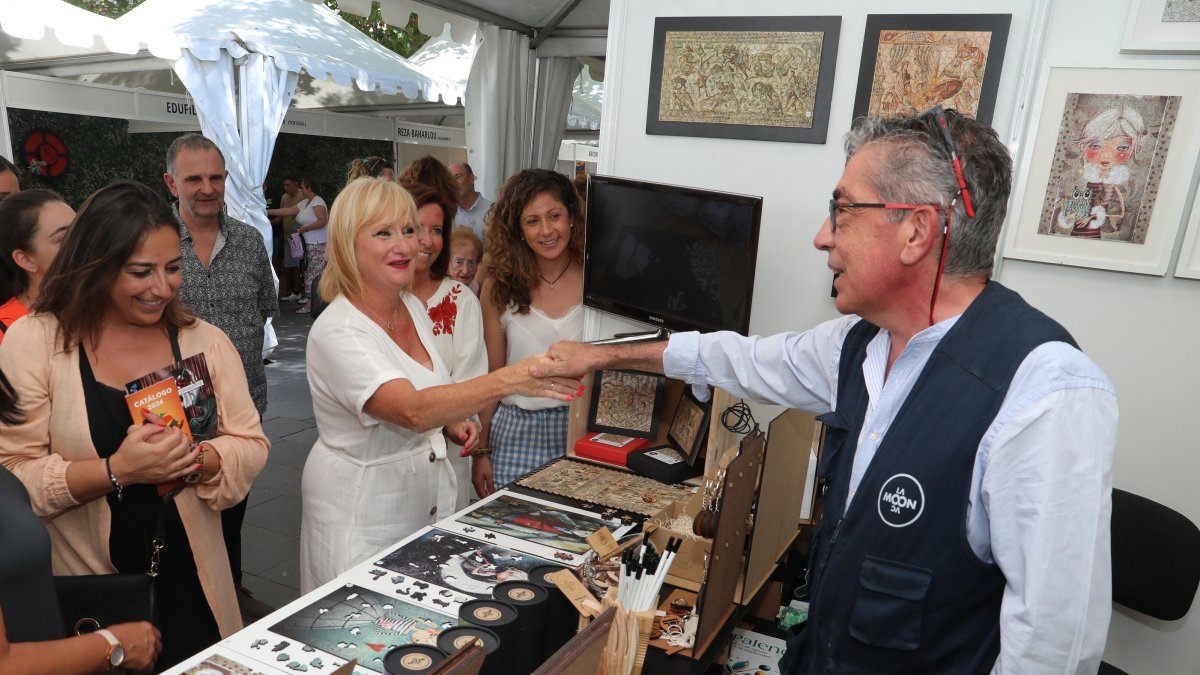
(764, 78)
(912, 62)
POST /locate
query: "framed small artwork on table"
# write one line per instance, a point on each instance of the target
(1107, 166)
(912, 62)
(1162, 27)
(627, 402)
(689, 427)
(763, 78)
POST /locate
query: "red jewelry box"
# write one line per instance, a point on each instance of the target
(609, 448)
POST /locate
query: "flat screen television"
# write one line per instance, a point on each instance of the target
(677, 257)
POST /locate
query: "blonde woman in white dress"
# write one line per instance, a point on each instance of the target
(381, 394)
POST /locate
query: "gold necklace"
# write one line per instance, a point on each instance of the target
(560, 275)
(390, 326)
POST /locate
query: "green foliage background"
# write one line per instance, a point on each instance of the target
(102, 150)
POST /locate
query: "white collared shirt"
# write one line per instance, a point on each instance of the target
(1040, 501)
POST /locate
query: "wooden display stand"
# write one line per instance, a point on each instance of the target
(735, 572)
(719, 438)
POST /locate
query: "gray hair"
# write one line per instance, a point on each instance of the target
(190, 141)
(916, 169)
(1120, 120)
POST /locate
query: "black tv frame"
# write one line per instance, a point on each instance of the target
(670, 322)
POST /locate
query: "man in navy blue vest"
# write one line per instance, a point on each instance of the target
(969, 442)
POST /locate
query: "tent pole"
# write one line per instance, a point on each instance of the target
(533, 128)
(5, 132)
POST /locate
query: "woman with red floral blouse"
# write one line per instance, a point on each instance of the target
(453, 308)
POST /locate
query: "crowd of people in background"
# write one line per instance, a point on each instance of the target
(431, 305)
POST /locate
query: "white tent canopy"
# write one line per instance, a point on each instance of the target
(295, 34)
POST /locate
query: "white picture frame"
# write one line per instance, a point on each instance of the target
(1144, 78)
(1147, 33)
(1188, 266)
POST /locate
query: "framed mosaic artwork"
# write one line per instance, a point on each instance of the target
(753, 78)
(912, 62)
(627, 402)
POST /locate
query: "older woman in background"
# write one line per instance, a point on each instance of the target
(382, 395)
(466, 250)
(533, 299)
(109, 314)
(33, 225)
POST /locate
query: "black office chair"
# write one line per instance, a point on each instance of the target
(1155, 560)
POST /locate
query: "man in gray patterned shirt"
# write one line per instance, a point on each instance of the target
(227, 281)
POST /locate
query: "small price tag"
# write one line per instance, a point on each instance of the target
(574, 590)
(663, 457)
(602, 543)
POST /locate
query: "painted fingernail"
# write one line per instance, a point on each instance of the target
(147, 411)
(579, 392)
(161, 426)
(464, 453)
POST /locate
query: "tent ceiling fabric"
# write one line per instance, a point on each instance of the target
(74, 30)
(295, 33)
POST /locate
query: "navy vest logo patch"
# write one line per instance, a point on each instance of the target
(901, 500)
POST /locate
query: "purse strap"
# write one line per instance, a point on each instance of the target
(160, 532)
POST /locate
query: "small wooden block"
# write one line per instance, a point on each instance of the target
(602, 543)
(574, 590)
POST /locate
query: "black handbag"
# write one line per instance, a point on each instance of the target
(92, 601)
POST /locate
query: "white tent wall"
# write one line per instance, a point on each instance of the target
(1140, 329)
(499, 101)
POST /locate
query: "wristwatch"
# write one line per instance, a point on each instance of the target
(116, 653)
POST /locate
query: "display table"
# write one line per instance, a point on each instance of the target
(411, 591)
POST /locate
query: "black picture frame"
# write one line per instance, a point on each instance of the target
(689, 425)
(995, 24)
(627, 402)
(734, 74)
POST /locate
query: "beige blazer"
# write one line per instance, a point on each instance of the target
(55, 433)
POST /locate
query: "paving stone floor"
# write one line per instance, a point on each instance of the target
(271, 532)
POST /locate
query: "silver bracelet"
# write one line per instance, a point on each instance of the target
(113, 479)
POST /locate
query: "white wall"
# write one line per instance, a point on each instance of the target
(1138, 328)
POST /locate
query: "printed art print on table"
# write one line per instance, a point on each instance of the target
(532, 525)
(1107, 166)
(459, 564)
(355, 623)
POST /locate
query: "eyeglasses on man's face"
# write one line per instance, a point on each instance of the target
(835, 206)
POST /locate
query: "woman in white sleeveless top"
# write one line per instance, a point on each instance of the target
(533, 298)
(383, 399)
